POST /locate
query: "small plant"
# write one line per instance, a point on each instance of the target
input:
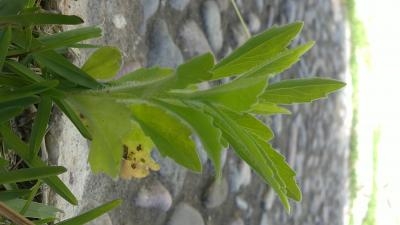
(157, 107)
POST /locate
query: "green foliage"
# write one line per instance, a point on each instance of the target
(160, 106)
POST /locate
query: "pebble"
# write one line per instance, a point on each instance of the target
(264, 219)
(239, 34)
(193, 42)
(154, 196)
(223, 4)
(240, 175)
(253, 22)
(149, 8)
(212, 25)
(119, 21)
(185, 214)
(237, 221)
(163, 51)
(241, 203)
(260, 5)
(216, 193)
(179, 4)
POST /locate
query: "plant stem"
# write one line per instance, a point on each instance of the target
(246, 29)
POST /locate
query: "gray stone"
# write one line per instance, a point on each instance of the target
(239, 175)
(237, 221)
(223, 4)
(260, 5)
(193, 42)
(241, 203)
(163, 51)
(216, 194)
(253, 22)
(264, 219)
(212, 25)
(154, 195)
(179, 4)
(239, 34)
(149, 8)
(185, 214)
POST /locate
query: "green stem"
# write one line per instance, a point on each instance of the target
(246, 29)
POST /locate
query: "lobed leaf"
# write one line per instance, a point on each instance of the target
(202, 125)
(107, 135)
(257, 50)
(104, 63)
(171, 136)
(238, 95)
(300, 90)
(146, 75)
(194, 71)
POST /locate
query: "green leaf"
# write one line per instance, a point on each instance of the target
(280, 62)
(20, 102)
(13, 194)
(202, 125)
(26, 91)
(257, 50)
(238, 95)
(62, 67)
(40, 18)
(23, 71)
(8, 113)
(14, 142)
(300, 90)
(36, 210)
(268, 108)
(92, 214)
(194, 71)
(104, 63)
(5, 39)
(250, 124)
(72, 115)
(247, 147)
(169, 134)
(107, 144)
(67, 38)
(30, 174)
(3, 162)
(39, 125)
(8, 7)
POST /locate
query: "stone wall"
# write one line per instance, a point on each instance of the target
(166, 32)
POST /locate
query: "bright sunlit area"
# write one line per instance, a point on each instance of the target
(374, 181)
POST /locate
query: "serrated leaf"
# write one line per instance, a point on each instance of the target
(30, 174)
(62, 67)
(5, 39)
(300, 90)
(39, 125)
(107, 134)
(251, 124)
(194, 71)
(246, 146)
(257, 50)
(280, 62)
(202, 125)
(35, 210)
(104, 63)
(238, 95)
(40, 18)
(169, 134)
(68, 38)
(268, 108)
(22, 150)
(92, 214)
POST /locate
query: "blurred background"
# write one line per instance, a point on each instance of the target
(343, 147)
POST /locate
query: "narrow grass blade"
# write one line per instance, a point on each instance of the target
(40, 18)
(30, 174)
(5, 40)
